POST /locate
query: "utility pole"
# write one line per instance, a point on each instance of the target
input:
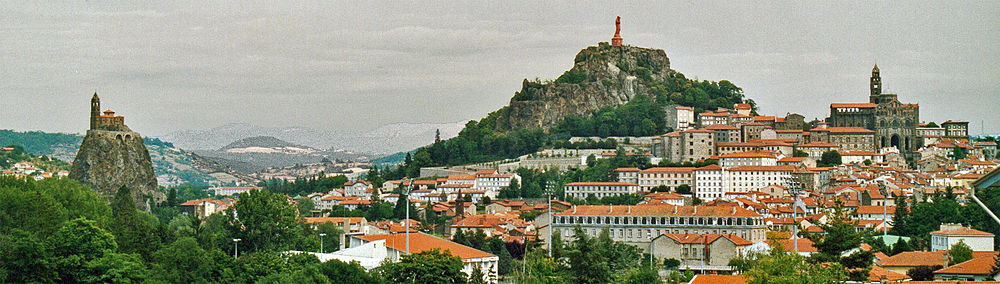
(548, 189)
(407, 229)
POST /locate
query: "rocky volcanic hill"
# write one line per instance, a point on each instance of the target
(108, 160)
(602, 76)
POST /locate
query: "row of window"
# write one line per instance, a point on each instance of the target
(619, 220)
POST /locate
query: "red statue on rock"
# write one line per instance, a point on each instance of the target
(617, 39)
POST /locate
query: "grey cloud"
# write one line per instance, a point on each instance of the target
(354, 65)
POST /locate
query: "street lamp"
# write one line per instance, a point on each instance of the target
(321, 235)
(885, 210)
(236, 246)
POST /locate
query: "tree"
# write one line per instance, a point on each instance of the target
(305, 206)
(958, 153)
(183, 261)
(172, 197)
(922, 273)
(431, 266)
(341, 272)
(671, 263)
(77, 243)
(331, 242)
(639, 275)
(477, 276)
(23, 207)
(840, 237)
(263, 220)
(586, 263)
(660, 188)
(829, 159)
(496, 246)
(538, 268)
(959, 253)
(684, 189)
(900, 246)
(25, 259)
(557, 244)
(777, 266)
(800, 153)
(133, 232)
(115, 268)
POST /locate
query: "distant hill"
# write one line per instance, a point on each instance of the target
(261, 142)
(386, 139)
(171, 165)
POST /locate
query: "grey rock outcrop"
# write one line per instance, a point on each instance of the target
(108, 160)
(602, 76)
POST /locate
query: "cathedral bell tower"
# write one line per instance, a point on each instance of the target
(95, 111)
(876, 85)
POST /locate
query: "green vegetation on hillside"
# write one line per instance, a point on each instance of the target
(485, 140)
(38, 142)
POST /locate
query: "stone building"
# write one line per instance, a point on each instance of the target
(688, 146)
(956, 129)
(725, 133)
(679, 118)
(893, 122)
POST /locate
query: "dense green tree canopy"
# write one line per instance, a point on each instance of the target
(433, 266)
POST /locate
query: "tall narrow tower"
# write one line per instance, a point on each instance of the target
(95, 111)
(876, 85)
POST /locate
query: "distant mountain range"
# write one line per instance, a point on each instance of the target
(384, 140)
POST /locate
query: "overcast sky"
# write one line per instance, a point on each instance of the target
(355, 65)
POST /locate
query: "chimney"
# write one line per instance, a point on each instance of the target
(695, 209)
(675, 210)
(574, 209)
(629, 209)
(734, 210)
(611, 208)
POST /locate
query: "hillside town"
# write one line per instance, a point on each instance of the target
(769, 182)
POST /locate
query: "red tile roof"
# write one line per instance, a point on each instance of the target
(982, 265)
(657, 211)
(350, 220)
(915, 258)
(717, 279)
(963, 231)
(420, 242)
(668, 170)
(876, 273)
(764, 168)
(805, 245)
(707, 238)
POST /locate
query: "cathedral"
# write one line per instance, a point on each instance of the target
(894, 122)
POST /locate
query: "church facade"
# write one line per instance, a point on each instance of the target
(894, 123)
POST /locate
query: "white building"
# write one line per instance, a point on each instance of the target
(951, 234)
(749, 158)
(657, 176)
(395, 247)
(599, 189)
(359, 188)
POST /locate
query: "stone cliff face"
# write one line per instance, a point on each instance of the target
(603, 76)
(108, 160)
